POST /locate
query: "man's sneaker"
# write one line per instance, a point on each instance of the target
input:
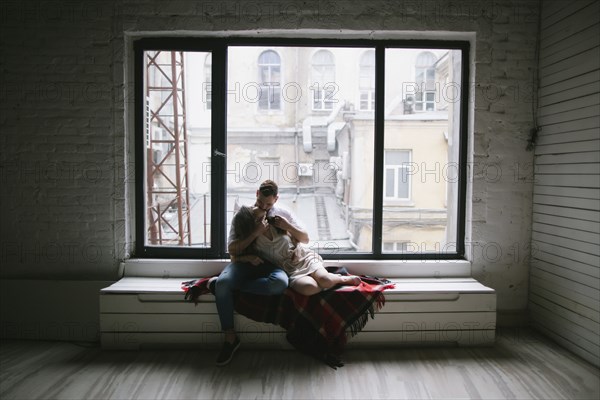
(227, 352)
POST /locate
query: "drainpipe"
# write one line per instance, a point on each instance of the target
(332, 129)
(307, 134)
(309, 122)
(351, 240)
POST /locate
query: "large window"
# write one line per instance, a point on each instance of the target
(388, 183)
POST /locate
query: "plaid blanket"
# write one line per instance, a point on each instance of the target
(318, 325)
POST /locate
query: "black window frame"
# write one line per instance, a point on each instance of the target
(218, 48)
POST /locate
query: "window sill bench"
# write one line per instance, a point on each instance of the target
(140, 312)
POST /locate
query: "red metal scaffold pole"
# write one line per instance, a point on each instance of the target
(167, 165)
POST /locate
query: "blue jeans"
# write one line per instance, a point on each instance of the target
(264, 279)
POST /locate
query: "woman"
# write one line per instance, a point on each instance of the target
(305, 269)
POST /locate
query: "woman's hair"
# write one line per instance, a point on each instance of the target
(244, 221)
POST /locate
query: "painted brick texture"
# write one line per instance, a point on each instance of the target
(66, 167)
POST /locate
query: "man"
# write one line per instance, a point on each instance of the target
(252, 275)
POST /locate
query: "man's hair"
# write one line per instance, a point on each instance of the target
(268, 188)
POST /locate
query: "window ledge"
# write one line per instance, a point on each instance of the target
(166, 268)
(392, 202)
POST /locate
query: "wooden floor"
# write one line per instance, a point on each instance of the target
(522, 365)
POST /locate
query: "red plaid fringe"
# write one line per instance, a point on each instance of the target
(319, 325)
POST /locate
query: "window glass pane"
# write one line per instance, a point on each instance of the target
(317, 100)
(263, 98)
(207, 87)
(269, 57)
(397, 157)
(426, 59)
(389, 182)
(275, 98)
(265, 74)
(367, 70)
(364, 101)
(320, 161)
(423, 215)
(178, 148)
(274, 77)
(403, 178)
(419, 76)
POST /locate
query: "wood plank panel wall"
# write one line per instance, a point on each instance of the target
(564, 299)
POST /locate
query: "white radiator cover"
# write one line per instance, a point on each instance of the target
(138, 312)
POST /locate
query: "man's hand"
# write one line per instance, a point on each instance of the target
(280, 222)
(255, 260)
(261, 227)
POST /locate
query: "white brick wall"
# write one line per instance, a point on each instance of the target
(63, 107)
(57, 141)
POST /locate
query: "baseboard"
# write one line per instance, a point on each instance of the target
(50, 309)
(512, 318)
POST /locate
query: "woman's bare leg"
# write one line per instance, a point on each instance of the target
(328, 280)
(321, 279)
(306, 286)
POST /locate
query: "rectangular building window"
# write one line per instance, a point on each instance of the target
(397, 177)
(386, 184)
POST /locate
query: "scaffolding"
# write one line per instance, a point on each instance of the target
(168, 198)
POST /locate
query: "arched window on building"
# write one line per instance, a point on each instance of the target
(425, 80)
(322, 82)
(269, 75)
(207, 87)
(366, 81)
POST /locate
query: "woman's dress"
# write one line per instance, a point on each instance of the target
(296, 260)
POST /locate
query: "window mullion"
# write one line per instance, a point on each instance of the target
(378, 149)
(462, 183)
(140, 135)
(219, 147)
